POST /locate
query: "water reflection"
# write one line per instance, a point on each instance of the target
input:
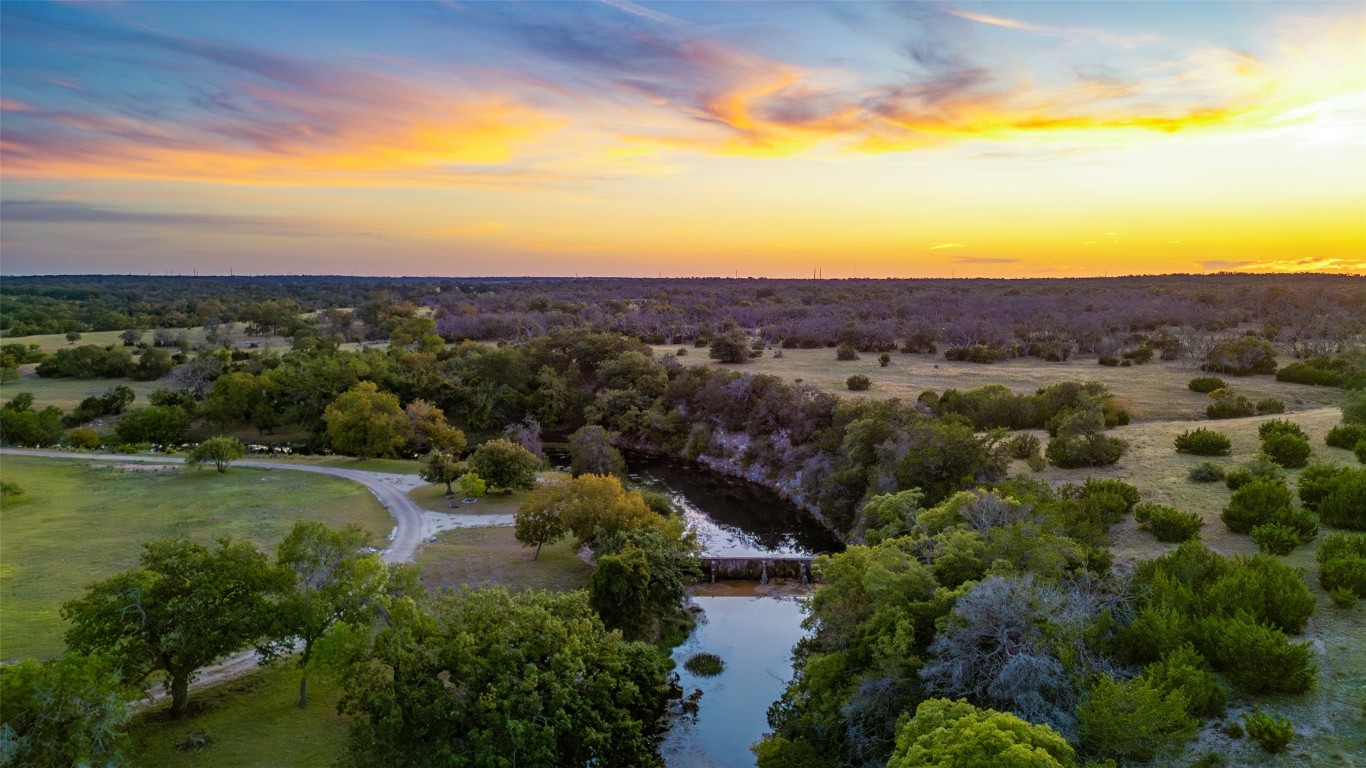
(733, 518)
(754, 636)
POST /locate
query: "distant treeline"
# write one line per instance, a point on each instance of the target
(971, 318)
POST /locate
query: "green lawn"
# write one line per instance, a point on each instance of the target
(478, 556)
(78, 522)
(68, 393)
(394, 466)
(252, 721)
(433, 497)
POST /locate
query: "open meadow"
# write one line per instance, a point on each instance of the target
(1154, 391)
(78, 522)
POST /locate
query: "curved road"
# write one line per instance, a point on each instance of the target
(391, 489)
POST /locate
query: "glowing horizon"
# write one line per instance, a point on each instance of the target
(617, 138)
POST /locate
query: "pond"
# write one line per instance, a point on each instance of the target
(753, 629)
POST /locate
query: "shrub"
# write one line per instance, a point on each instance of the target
(1094, 450)
(682, 352)
(1256, 659)
(1275, 539)
(1206, 384)
(1346, 436)
(1255, 503)
(884, 359)
(1288, 450)
(1206, 472)
(977, 353)
(1133, 720)
(1354, 409)
(944, 730)
(1259, 468)
(705, 664)
(858, 383)
(1243, 356)
(1186, 672)
(1306, 372)
(1204, 442)
(1279, 427)
(1342, 563)
(1037, 463)
(846, 352)
(1168, 524)
(1269, 405)
(1229, 405)
(1359, 450)
(1319, 480)
(1023, 446)
(1345, 506)
(83, 439)
(1271, 733)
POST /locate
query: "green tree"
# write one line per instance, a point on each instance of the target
(505, 464)
(131, 337)
(591, 453)
(472, 485)
(365, 422)
(183, 607)
(955, 734)
(335, 581)
(67, 711)
(159, 424)
(642, 576)
(219, 451)
(153, 364)
(730, 346)
(538, 521)
(21, 425)
(491, 678)
(441, 467)
(430, 432)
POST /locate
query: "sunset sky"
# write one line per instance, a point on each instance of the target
(621, 138)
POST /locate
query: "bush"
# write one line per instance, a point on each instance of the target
(858, 383)
(1346, 436)
(1360, 451)
(1318, 481)
(1206, 384)
(1305, 372)
(1345, 506)
(1354, 410)
(1259, 468)
(846, 352)
(1133, 720)
(1243, 356)
(1229, 405)
(1167, 524)
(1271, 733)
(1280, 427)
(1342, 563)
(1095, 450)
(1036, 463)
(1186, 672)
(1023, 446)
(1204, 442)
(1206, 472)
(1275, 539)
(1256, 659)
(977, 353)
(1289, 451)
(1268, 405)
(83, 439)
(884, 359)
(1254, 504)
(705, 664)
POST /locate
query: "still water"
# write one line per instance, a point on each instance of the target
(753, 635)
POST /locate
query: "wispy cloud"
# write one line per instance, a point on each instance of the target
(1304, 264)
(1108, 37)
(984, 260)
(943, 246)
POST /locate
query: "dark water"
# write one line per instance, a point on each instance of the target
(733, 518)
(754, 636)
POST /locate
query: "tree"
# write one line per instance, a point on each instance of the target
(21, 425)
(955, 734)
(430, 432)
(153, 364)
(499, 679)
(219, 451)
(158, 424)
(72, 337)
(441, 467)
(365, 422)
(730, 346)
(131, 337)
(335, 581)
(505, 464)
(472, 485)
(538, 521)
(591, 453)
(183, 607)
(642, 575)
(70, 710)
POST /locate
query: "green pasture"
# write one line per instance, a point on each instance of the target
(78, 522)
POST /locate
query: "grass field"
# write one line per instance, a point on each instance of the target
(433, 497)
(1153, 391)
(252, 721)
(394, 466)
(477, 556)
(77, 523)
(51, 342)
(68, 393)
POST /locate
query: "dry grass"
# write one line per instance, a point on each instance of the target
(1153, 391)
(68, 393)
(433, 497)
(476, 556)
